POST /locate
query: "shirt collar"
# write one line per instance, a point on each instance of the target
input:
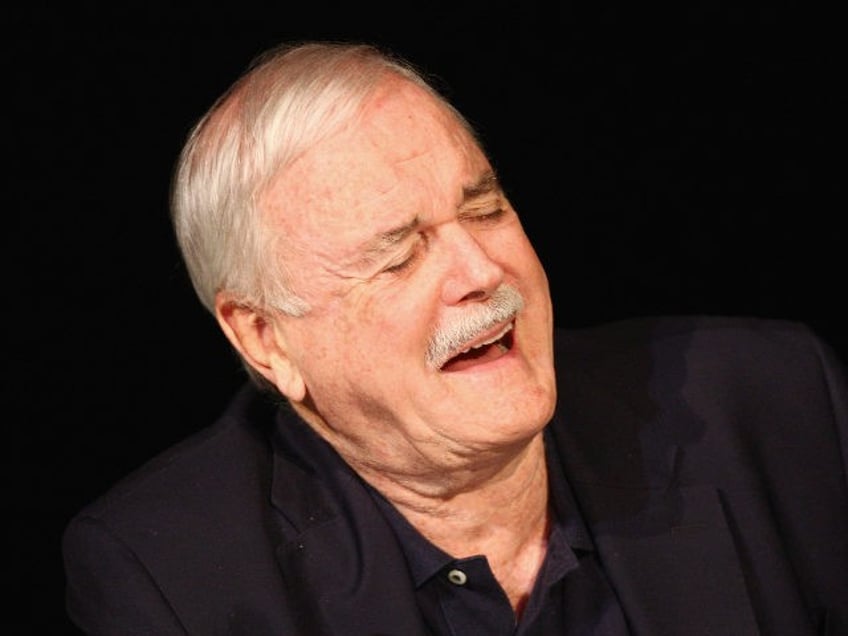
(426, 559)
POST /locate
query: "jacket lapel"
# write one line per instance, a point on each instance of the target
(665, 547)
(672, 563)
(344, 571)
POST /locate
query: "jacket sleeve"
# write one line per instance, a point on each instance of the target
(834, 371)
(108, 591)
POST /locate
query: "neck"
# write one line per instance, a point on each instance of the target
(499, 510)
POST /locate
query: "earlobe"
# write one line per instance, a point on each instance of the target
(287, 377)
(261, 344)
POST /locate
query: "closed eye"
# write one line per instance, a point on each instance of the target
(409, 258)
(494, 215)
(484, 217)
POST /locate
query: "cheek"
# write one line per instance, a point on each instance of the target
(364, 364)
(514, 252)
(396, 323)
(397, 327)
(528, 260)
(378, 327)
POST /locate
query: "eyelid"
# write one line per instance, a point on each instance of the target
(491, 213)
(484, 214)
(408, 258)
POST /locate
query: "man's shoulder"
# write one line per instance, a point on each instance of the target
(710, 360)
(208, 468)
(717, 344)
(189, 536)
(675, 330)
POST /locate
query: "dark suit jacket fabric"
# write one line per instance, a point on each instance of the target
(707, 456)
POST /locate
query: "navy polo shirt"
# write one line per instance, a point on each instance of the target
(461, 597)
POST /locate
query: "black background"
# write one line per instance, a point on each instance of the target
(684, 160)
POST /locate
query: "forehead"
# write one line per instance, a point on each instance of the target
(404, 155)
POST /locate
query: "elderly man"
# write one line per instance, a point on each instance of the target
(406, 460)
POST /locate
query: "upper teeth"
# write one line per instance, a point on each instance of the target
(495, 338)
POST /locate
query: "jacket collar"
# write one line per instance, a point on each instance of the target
(341, 563)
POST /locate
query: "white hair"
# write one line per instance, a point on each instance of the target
(290, 98)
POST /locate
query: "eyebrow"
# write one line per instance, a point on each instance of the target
(386, 240)
(487, 184)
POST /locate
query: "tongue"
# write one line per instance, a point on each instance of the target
(474, 357)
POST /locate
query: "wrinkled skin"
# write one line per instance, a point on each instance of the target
(389, 228)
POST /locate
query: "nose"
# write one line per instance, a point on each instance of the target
(472, 274)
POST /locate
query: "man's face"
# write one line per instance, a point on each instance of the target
(394, 230)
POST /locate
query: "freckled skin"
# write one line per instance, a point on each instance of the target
(361, 351)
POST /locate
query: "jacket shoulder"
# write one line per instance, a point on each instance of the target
(217, 459)
(641, 331)
(187, 536)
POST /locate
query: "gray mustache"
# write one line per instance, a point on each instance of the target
(450, 339)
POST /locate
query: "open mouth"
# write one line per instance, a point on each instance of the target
(486, 351)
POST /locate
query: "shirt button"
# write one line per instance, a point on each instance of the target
(457, 577)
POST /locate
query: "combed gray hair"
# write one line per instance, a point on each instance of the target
(289, 98)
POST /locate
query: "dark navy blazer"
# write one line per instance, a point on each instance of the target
(707, 456)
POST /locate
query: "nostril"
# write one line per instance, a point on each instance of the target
(478, 294)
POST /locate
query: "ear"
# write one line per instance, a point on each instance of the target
(261, 343)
